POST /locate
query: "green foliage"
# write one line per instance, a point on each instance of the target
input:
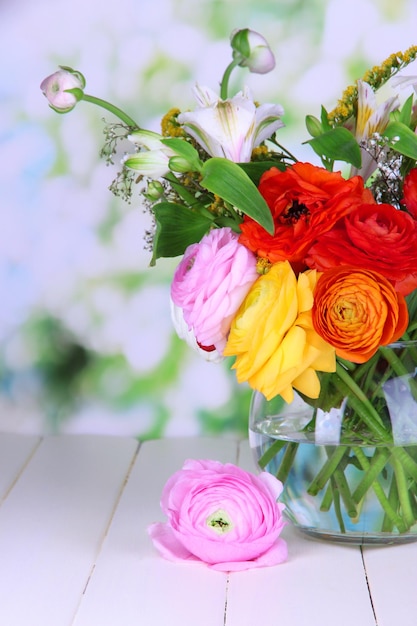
(337, 144)
(176, 228)
(402, 139)
(186, 151)
(231, 183)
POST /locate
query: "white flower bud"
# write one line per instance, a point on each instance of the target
(251, 50)
(63, 89)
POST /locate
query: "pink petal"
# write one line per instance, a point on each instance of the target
(167, 544)
(273, 485)
(277, 553)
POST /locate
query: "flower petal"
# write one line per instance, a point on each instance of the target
(230, 128)
(276, 554)
(167, 544)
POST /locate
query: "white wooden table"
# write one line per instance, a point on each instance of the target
(74, 550)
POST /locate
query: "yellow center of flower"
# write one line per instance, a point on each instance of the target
(263, 265)
(220, 522)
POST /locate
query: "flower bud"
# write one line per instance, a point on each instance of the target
(63, 89)
(180, 164)
(314, 126)
(154, 191)
(251, 50)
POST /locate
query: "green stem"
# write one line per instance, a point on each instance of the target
(343, 489)
(403, 493)
(113, 109)
(272, 451)
(363, 406)
(327, 470)
(337, 507)
(406, 461)
(376, 466)
(284, 150)
(388, 524)
(326, 503)
(224, 85)
(386, 504)
(287, 461)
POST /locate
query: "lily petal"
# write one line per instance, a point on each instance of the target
(230, 128)
(371, 118)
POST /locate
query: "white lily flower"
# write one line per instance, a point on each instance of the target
(405, 81)
(187, 335)
(371, 118)
(147, 139)
(153, 159)
(230, 128)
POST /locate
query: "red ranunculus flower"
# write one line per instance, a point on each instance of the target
(305, 201)
(377, 237)
(410, 192)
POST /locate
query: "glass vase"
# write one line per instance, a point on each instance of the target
(348, 460)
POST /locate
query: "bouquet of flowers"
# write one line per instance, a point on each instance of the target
(305, 275)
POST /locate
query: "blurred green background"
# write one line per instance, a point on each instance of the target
(86, 338)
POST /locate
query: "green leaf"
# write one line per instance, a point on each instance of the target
(255, 169)
(176, 228)
(188, 197)
(76, 92)
(325, 119)
(406, 111)
(186, 151)
(402, 139)
(230, 182)
(338, 144)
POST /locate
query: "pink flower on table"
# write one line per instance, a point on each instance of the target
(221, 515)
(211, 282)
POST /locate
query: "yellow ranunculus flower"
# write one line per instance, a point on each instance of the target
(273, 339)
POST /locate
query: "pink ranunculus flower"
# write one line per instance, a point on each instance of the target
(211, 282)
(221, 515)
(209, 353)
(251, 50)
(57, 89)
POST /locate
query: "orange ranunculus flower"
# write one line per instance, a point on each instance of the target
(376, 236)
(273, 338)
(305, 202)
(357, 311)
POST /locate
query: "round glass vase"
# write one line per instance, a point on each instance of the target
(348, 460)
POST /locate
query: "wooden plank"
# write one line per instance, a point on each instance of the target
(320, 581)
(392, 575)
(132, 584)
(52, 525)
(15, 452)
